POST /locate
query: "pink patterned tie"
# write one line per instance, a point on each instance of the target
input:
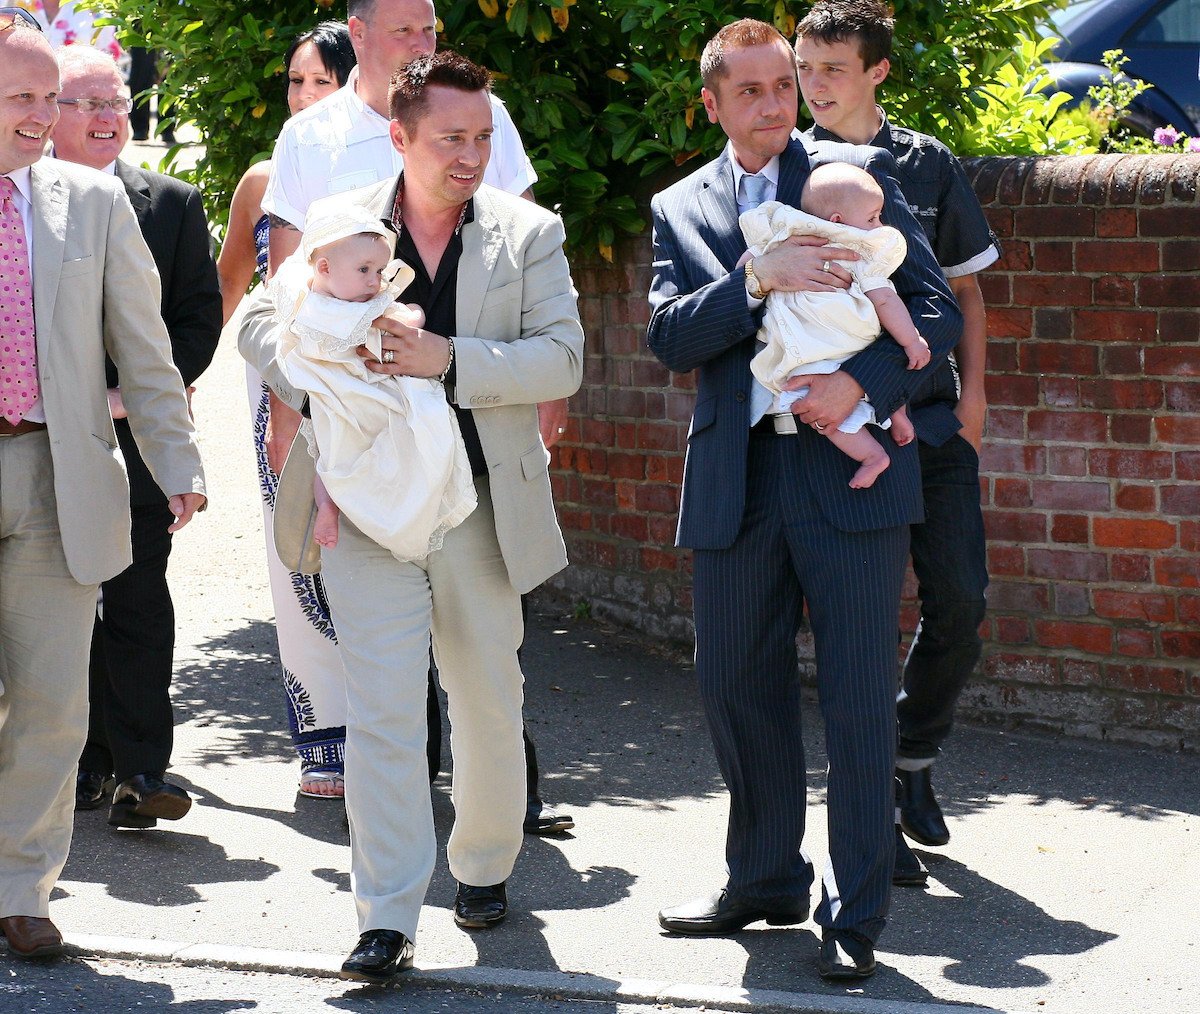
(18, 354)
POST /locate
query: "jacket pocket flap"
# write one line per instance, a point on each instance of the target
(703, 416)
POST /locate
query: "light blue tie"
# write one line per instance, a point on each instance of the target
(753, 190)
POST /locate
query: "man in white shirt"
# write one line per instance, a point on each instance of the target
(342, 142)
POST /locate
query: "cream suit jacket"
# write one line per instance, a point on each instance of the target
(95, 289)
(518, 342)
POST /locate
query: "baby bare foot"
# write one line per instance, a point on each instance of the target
(325, 529)
(902, 429)
(870, 470)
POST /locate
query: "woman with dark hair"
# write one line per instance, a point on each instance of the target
(318, 63)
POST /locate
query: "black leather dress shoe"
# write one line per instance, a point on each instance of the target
(720, 915)
(378, 957)
(480, 907)
(845, 955)
(89, 790)
(920, 815)
(908, 870)
(139, 802)
(544, 820)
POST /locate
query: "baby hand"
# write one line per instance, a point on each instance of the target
(918, 353)
(408, 313)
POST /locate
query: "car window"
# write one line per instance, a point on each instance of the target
(1174, 23)
(1064, 19)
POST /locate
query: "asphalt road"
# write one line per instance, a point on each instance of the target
(127, 987)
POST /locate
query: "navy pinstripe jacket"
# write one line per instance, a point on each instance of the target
(700, 321)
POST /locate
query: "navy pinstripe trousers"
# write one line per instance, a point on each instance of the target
(748, 603)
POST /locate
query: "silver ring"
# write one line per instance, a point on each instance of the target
(562, 430)
(818, 427)
(825, 267)
(388, 357)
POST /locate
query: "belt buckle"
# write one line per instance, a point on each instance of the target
(784, 423)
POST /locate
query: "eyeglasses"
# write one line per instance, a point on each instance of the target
(118, 106)
(11, 16)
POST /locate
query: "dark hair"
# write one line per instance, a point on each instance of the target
(867, 21)
(332, 39)
(408, 98)
(738, 35)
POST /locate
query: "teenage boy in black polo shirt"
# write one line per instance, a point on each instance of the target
(843, 49)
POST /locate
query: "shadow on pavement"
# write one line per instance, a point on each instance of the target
(151, 868)
(236, 688)
(71, 984)
(980, 909)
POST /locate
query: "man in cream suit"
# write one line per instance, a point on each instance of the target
(502, 332)
(64, 498)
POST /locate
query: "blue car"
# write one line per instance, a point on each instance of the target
(1161, 39)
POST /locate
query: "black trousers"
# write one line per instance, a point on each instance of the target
(949, 555)
(143, 74)
(131, 723)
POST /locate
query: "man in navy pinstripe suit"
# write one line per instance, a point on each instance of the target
(773, 522)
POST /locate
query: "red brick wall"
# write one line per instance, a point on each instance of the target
(1090, 471)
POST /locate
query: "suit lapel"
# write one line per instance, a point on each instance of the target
(137, 188)
(481, 238)
(719, 206)
(50, 204)
(793, 173)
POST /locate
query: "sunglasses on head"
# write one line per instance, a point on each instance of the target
(12, 16)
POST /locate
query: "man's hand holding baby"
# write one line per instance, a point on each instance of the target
(804, 264)
(408, 349)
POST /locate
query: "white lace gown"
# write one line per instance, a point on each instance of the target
(816, 332)
(387, 448)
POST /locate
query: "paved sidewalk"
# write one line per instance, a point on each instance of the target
(1071, 884)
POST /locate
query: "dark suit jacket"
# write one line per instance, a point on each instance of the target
(700, 321)
(171, 218)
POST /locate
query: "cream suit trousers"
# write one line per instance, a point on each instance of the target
(385, 610)
(45, 636)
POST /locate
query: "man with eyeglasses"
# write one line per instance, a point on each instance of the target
(130, 729)
(76, 282)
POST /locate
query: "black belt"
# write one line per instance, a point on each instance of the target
(19, 429)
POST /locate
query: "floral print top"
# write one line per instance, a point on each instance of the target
(69, 26)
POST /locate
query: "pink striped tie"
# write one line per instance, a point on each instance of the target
(18, 354)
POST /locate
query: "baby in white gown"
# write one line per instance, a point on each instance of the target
(815, 332)
(389, 454)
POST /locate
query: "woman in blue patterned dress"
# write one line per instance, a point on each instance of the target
(317, 63)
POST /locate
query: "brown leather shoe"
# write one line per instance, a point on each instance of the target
(31, 937)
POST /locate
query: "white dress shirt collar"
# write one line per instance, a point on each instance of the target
(354, 100)
(770, 171)
(23, 182)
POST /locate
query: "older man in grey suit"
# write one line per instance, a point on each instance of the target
(502, 332)
(64, 497)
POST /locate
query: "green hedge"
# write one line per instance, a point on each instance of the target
(605, 94)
